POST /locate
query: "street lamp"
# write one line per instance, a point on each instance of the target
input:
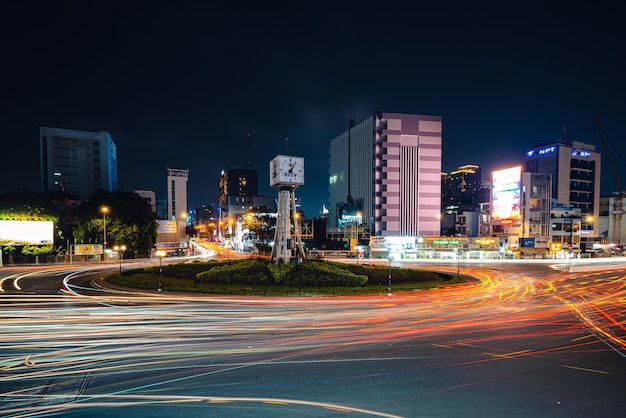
(104, 227)
(120, 254)
(160, 254)
(389, 271)
(458, 262)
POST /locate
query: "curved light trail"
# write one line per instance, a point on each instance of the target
(75, 354)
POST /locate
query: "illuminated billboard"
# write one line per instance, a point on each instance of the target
(505, 193)
(26, 232)
(88, 249)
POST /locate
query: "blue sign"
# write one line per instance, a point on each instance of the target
(547, 150)
(581, 153)
(528, 242)
(541, 151)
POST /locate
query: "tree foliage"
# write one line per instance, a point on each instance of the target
(129, 221)
(28, 207)
(260, 223)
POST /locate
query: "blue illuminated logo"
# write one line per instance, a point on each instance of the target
(547, 150)
(583, 153)
(530, 153)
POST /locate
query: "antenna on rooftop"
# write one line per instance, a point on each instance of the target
(249, 151)
(286, 143)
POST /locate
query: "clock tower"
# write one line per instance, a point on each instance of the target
(286, 174)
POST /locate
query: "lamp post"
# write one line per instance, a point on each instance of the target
(104, 228)
(458, 262)
(230, 237)
(389, 272)
(160, 254)
(120, 254)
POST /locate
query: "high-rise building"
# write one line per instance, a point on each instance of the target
(237, 190)
(78, 162)
(575, 171)
(177, 194)
(461, 187)
(386, 170)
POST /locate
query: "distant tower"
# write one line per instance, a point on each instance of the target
(286, 174)
(177, 194)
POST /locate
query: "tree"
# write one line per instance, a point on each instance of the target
(129, 221)
(191, 230)
(259, 222)
(9, 249)
(30, 207)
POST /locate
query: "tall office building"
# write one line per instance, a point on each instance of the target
(461, 187)
(177, 194)
(575, 171)
(79, 162)
(237, 191)
(388, 168)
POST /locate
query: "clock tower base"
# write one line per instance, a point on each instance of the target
(287, 247)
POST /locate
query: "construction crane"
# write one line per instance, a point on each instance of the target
(617, 210)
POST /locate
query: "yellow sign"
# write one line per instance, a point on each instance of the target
(88, 249)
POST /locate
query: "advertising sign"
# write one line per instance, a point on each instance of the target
(528, 243)
(26, 232)
(88, 249)
(505, 194)
(166, 227)
(378, 242)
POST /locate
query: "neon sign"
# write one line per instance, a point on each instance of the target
(547, 150)
(541, 151)
(582, 153)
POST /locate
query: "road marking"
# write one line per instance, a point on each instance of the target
(584, 337)
(507, 355)
(442, 346)
(585, 370)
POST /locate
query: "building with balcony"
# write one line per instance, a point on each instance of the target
(575, 171)
(177, 194)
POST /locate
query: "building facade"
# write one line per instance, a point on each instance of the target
(238, 189)
(149, 196)
(387, 168)
(78, 162)
(575, 170)
(460, 188)
(177, 180)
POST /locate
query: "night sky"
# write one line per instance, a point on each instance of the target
(183, 84)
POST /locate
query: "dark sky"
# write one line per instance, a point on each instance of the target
(182, 84)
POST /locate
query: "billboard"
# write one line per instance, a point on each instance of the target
(88, 249)
(505, 193)
(166, 227)
(26, 232)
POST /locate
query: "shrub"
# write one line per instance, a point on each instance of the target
(186, 270)
(380, 274)
(251, 272)
(279, 272)
(323, 274)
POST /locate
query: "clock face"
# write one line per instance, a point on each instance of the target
(287, 170)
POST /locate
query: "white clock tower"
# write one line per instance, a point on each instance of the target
(286, 174)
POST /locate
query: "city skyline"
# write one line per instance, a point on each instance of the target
(205, 89)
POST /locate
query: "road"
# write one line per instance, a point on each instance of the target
(523, 339)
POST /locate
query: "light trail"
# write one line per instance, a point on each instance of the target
(72, 352)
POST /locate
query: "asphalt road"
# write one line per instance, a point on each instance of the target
(523, 339)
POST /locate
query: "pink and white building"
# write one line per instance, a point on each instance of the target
(390, 164)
